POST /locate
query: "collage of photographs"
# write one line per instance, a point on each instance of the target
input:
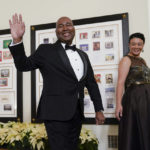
(8, 79)
(101, 42)
(96, 44)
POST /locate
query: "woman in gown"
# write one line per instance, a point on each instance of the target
(133, 106)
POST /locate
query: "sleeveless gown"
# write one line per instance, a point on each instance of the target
(134, 126)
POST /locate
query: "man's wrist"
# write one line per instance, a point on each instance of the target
(16, 41)
(99, 111)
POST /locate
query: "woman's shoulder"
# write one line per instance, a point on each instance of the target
(136, 61)
(133, 58)
(130, 57)
(125, 61)
(126, 58)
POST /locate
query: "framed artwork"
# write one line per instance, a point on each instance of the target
(105, 40)
(10, 82)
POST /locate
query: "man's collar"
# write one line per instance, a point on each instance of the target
(64, 44)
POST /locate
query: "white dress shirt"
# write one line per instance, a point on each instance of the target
(75, 61)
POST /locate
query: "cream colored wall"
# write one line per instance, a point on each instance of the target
(47, 11)
(148, 7)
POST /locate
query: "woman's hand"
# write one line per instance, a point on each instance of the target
(119, 111)
(17, 28)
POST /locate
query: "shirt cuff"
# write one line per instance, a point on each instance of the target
(12, 44)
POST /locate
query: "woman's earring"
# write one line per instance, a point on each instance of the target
(142, 50)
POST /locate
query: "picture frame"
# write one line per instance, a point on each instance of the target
(11, 94)
(105, 40)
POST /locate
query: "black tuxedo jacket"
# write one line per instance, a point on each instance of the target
(61, 89)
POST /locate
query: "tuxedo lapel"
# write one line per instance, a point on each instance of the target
(84, 63)
(65, 59)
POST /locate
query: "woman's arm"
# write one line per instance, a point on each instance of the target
(123, 71)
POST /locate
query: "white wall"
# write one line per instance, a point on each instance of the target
(46, 11)
(148, 7)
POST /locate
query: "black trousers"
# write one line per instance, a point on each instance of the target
(64, 135)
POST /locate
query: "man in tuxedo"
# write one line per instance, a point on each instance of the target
(66, 70)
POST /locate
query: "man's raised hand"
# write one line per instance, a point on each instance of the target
(17, 28)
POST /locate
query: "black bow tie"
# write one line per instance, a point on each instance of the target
(70, 47)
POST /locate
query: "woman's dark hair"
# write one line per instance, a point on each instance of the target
(137, 35)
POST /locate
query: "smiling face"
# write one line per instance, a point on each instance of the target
(65, 30)
(136, 46)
